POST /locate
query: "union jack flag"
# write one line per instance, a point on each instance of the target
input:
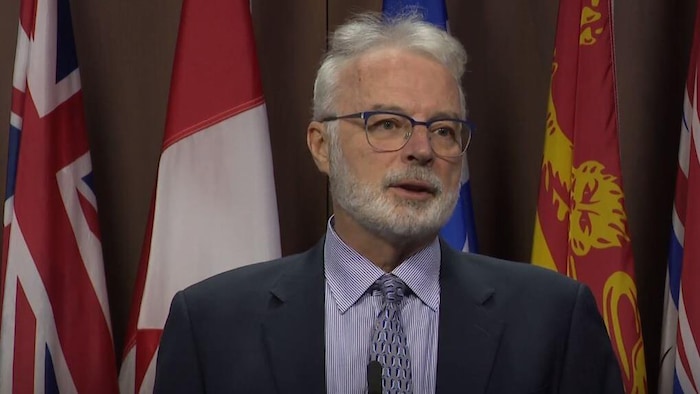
(55, 332)
(680, 357)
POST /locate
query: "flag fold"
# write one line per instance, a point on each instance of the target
(680, 357)
(581, 224)
(214, 206)
(55, 330)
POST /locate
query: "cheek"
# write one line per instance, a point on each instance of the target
(369, 171)
(451, 175)
(367, 166)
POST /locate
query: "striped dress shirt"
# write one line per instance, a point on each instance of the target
(351, 312)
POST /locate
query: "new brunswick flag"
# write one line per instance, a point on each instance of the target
(581, 225)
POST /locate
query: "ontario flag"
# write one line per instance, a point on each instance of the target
(214, 206)
(680, 357)
(55, 332)
(460, 230)
(581, 225)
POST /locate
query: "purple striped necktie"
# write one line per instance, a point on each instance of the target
(389, 345)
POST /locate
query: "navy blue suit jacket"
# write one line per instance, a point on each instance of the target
(504, 328)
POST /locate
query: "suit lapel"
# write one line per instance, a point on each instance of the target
(294, 326)
(468, 332)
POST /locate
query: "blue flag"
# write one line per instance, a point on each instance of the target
(460, 231)
(433, 11)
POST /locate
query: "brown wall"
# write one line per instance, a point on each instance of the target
(125, 49)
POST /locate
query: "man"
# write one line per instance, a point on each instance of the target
(380, 301)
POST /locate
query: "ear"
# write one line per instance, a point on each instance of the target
(317, 141)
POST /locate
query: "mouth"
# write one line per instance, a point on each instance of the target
(414, 189)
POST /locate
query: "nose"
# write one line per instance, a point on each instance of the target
(417, 148)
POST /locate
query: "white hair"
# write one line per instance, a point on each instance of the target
(370, 31)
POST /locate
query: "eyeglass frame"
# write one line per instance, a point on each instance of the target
(365, 115)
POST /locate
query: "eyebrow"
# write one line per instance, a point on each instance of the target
(397, 109)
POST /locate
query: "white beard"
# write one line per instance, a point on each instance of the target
(393, 218)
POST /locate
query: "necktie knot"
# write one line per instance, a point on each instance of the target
(392, 287)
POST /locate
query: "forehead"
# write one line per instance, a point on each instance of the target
(391, 77)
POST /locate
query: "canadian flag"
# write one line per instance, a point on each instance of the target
(214, 206)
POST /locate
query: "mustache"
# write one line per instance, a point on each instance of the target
(415, 173)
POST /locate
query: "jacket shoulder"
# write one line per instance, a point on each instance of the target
(515, 281)
(251, 281)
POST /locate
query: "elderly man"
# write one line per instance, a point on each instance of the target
(380, 304)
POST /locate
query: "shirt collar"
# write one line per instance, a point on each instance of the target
(349, 274)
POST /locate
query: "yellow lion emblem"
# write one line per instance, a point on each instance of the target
(591, 198)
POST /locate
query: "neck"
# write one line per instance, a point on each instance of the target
(385, 253)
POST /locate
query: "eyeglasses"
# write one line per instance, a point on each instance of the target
(390, 131)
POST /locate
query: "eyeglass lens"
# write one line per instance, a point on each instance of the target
(390, 132)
